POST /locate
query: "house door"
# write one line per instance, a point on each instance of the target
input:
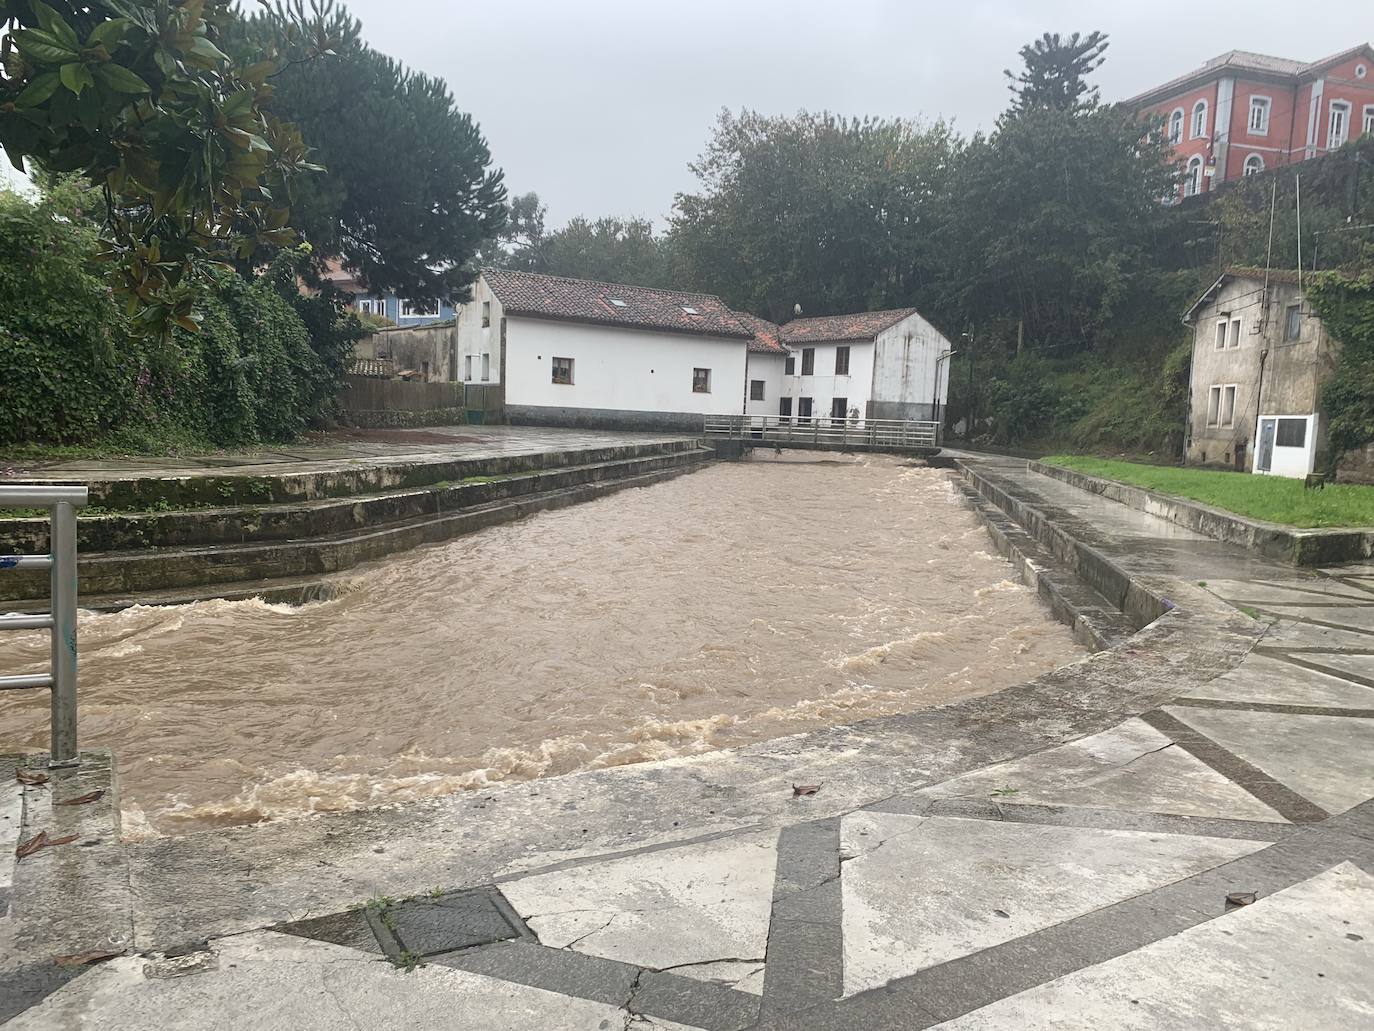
(1264, 457)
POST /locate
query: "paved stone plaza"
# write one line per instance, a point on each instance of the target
(1174, 833)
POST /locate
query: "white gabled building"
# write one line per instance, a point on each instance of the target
(870, 365)
(573, 352)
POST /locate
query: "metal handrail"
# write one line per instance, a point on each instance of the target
(824, 429)
(61, 503)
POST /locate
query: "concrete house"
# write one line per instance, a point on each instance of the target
(572, 352)
(871, 365)
(1260, 356)
(404, 313)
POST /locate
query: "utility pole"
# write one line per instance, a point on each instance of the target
(968, 429)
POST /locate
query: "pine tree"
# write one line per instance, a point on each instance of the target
(1055, 73)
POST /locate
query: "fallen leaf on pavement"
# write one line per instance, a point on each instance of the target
(28, 848)
(89, 796)
(804, 789)
(30, 777)
(41, 840)
(1240, 898)
(81, 959)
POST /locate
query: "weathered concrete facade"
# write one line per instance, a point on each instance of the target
(430, 352)
(1260, 356)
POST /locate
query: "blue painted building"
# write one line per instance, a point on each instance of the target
(403, 312)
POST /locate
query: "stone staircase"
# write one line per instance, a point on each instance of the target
(282, 534)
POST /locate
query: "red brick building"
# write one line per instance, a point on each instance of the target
(1241, 113)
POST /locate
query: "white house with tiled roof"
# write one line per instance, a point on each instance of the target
(574, 352)
(871, 365)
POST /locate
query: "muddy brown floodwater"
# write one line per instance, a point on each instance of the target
(747, 601)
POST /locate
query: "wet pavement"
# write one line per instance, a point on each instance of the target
(337, 449)
(1177, 833)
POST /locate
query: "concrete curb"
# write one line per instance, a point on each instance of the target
(1286, 543)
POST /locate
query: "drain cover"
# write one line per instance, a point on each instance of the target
(445, 923)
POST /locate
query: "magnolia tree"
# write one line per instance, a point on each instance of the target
(138, 97)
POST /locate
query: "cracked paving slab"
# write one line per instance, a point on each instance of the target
(700, 911)
(265, 981)
(919, 891)
(1132, 767)
(1299, 958)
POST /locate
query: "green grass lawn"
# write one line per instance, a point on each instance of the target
(1275, 499)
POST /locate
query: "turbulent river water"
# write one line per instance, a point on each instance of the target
(747, 601)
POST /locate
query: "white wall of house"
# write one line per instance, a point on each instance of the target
(823, 385)
(479, 336)
(620, 369)
(906, 369)
(765, 369)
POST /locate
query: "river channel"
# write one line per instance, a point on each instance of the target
(747, 601)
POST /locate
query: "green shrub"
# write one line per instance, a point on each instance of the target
(266, 363)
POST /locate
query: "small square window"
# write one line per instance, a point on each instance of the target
(701, 381)
(563, 371)
(756, 390)
(1291, 433)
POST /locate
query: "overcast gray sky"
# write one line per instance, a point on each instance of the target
(598, 105)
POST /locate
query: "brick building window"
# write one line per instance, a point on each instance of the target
(1199, 120)
(1254, 165)
(1176, 126)
(1368, 127)
(1259, 116)
(563, 371)
(1340, 125)
(1192, 178)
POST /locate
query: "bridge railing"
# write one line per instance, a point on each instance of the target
(61, 503)
(800, 430)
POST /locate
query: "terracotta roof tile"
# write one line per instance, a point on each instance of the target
(585, 300)
(861, 326)
(766, 334)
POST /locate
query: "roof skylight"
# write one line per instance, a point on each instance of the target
(617, 302)
(690, 310)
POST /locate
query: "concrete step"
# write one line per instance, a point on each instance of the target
(1096, 622)
(237, 524)
(314, 479)
(117, 578)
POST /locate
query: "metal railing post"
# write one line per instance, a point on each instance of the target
(63, 547)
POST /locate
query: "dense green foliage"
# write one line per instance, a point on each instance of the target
(409, 195)
(137, 97)
(1054, 73)
(834, 214)
(1346, 305)
(1275, 499)
(264, 363)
